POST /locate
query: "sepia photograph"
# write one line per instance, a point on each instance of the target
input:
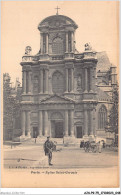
(60, 94)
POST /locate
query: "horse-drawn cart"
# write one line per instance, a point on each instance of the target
(90, 146)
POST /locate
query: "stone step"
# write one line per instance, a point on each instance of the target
(58, 141)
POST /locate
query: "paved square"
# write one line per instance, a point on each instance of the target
(66, 157)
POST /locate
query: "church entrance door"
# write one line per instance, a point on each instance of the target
(57, 129)
(35, 132)
(79, 132)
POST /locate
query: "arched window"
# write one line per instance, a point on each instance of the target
(57, 46)
(102, 117)
(58, 83)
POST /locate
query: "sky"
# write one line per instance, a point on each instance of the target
(97, 23)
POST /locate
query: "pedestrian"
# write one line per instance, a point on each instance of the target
(99, 147)
(48, 147)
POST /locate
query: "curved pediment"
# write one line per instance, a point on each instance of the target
(56, 21)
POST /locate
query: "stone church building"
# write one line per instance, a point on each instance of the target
(65, 93)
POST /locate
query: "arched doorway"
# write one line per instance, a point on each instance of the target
(57, 126)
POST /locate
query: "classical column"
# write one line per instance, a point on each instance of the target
(94, 121)
(41, 81)
(24, 81)
(29, 82)
(85, 123)
(46, 128)
(47, 43)
(72, 41)
(46, 81)
(23, 122)
(66, 80)
(49, 128)
(28, 122)
(91, 122)
(72, 122)
(85, 79)
(66, 123)
(50, 85)
(72, 79)
(67, 42)
(40, 118)
(94, 79)
(91, 78)
(41, 43)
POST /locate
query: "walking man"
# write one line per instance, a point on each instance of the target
(48, 147)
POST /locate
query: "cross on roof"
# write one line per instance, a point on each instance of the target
(57, 10)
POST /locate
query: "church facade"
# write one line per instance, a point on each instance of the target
(65, 93)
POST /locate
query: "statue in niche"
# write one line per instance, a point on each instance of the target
(79, 82)
(35, 84)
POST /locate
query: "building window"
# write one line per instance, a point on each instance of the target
(57, 46)
(102, 117)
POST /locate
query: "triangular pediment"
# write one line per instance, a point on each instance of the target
(56, 99)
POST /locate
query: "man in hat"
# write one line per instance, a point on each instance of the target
(48, 147)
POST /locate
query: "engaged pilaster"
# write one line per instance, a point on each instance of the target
(47, 43)
(72, 123)
(85, 123)
(66, 123)
(66, 80)
(24, 81)
(41, 81)
(67, 42)
(28, 123)
(46, 124)
(72, 79)
(40, 122)
(72, 41)
(29, 82)
(46, 81)
(91, 122)
(23, 122)
(41, 43)
(94, 112)
(86, 80)
(91, 80)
